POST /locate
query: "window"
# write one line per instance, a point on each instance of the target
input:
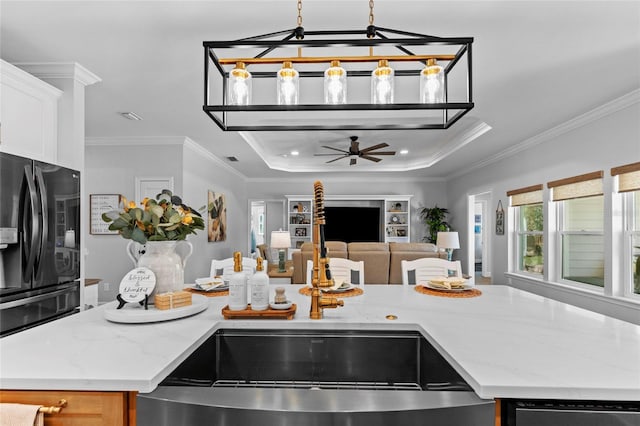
(580, 204)
(628, 180)
(529, 229)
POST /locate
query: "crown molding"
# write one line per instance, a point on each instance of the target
(194, 146)
(135, 140)
(379, 177)
(577, 122)
(59, 70)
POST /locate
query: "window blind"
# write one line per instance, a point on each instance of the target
(628, 177)
(524, 196)
(586, 185)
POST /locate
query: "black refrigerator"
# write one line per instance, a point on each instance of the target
(39, 243)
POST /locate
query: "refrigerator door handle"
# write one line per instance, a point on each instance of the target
(44, 208)
(30, 241)
(33, 299)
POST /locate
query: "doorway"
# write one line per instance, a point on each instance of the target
(264, 216)
(479, 253)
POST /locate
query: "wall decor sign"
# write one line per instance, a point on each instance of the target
(217, 214)
(499, 219)
(99, 204)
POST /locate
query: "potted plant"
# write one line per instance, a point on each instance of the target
(434, 219)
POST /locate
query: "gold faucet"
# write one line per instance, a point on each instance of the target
(321, 275)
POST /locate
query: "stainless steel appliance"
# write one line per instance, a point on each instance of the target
(314, 377)
(39, 242)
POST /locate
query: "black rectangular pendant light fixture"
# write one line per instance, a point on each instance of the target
(249, 83)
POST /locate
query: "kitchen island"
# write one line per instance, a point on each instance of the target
(505, 343)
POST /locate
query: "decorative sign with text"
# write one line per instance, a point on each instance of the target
(136, 285)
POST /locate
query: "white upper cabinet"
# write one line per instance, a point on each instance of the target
(28, 115)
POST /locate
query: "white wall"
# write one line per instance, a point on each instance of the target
(204, 172)
(593, 142)
(111, 168)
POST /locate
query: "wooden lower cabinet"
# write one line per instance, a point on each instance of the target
(84, 408)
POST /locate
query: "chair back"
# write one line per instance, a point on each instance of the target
(341, 270)
(224, 267)
(428, 268)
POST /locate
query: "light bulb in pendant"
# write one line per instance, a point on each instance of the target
(382, 83)
(432, 83)
(288, 85)
(335, 84)
(239, 88)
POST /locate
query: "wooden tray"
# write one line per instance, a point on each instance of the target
(266, 314)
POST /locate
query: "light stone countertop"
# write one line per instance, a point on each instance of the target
(506, 343)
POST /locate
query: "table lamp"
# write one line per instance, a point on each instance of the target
(448, 241)
(280, 240)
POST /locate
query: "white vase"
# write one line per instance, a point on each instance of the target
(167, 265)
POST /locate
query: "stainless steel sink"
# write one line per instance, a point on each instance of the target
(314, 377)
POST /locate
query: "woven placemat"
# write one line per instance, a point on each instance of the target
(208, 293)
(474, 292)
(356, 291)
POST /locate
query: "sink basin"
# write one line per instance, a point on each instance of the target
(314, 377)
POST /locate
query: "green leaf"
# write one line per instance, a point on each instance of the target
(175, 218)
(138, 236)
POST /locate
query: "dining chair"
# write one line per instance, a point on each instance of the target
(224, 267)
(429, 267)
(342, 270)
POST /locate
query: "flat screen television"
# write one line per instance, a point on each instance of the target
(352, 224)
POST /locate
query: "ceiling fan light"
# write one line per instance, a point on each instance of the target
(382, 86)
(432, 83)
(335, 84)
(288, 85)
(239, 88)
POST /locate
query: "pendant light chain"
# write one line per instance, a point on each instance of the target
(371, 29)
(299, 13)
(370, 12)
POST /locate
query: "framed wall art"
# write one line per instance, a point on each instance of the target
(499, 219)
(99, 204)
(217, 214)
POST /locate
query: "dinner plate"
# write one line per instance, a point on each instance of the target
(203, 287)
(452, 290)
(339, 290)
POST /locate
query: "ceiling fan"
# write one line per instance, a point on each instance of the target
(355, 151)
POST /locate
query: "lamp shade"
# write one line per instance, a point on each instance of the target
(280, 239)
(448, 240)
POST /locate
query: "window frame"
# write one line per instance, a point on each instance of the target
(559, 245)
(518, 232)
(631, 229)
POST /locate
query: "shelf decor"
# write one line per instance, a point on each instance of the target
(315, 97)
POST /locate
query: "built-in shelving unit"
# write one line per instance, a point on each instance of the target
(395, 216)
(397, 221)
(299, 220)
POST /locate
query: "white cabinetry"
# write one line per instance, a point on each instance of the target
(397, 221)
(300, 220)
(29, 115)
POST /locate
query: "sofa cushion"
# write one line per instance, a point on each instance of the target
(428, 247)
(376, 260)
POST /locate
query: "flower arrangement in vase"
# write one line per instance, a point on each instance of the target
(159, 225)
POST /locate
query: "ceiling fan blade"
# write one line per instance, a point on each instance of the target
(335, 149)
(370, 158)
(380, 153)
(352, 162)
(374, 147)
(336, 159)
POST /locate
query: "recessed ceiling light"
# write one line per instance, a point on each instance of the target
(404, 151)
(131, 116)
(294, 153)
